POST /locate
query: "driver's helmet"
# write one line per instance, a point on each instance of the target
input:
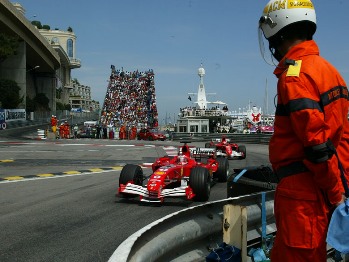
(185, 151)
(182, 159)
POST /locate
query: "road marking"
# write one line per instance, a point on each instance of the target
(11, 179)
(6, 161)
(72, 172)
(96, 169)
(170, 150)
(45, 175)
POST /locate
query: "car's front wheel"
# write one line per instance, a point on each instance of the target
(200, 182)
(242, 149)
(131, 173)
(222, 172)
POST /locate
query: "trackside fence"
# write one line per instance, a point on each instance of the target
(235, 137)
(191, 234)
(188, 235)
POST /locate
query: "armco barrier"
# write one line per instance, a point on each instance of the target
(238, 138)
(186, 235)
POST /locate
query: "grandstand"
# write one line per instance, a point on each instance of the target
(130, 99)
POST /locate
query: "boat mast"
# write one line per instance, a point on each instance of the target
(266, 101)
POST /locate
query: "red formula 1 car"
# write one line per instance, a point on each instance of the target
(227, 149)
(181, 176)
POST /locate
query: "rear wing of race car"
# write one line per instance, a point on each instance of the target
(199, 152)
(220, 140)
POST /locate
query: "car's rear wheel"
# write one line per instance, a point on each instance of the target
(242, 149)
(222, 172)
(207, 145)
(150, 138)
(200, 182)
(131, 173)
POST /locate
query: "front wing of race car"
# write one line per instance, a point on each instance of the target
(234, 154)
(156, 196)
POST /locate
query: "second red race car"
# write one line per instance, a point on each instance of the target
(188, 175)
(226, 148)
(151, 134)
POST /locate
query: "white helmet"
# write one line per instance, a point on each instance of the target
(182, 159)
(278, 14)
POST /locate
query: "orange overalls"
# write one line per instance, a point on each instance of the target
(61, 131)
(312, 107)
(54, 124)
(133, 133)
(122, 132)
(66, 130)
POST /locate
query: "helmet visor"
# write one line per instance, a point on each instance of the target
(264, 49)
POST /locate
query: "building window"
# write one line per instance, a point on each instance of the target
(182, 129)
(204, 129)
(70, 47)
(194, 129)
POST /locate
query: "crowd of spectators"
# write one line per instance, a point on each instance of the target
(130, 99)
(193, 111)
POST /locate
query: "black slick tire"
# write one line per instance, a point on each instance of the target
(222, 172)
(131, 173)
(242, 149)
(200, 182)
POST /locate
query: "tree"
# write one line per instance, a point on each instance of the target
(67, 107)
(8, 46)
(61, 106)
(59, 92)
(30, 104)
(38, 103)
(47, 27)
(75, 81)
(41, 102)
(37, 24)
(9, 94)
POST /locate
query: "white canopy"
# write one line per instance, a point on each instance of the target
(218, 103)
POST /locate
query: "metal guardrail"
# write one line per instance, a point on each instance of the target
(185, 235)
(240, 138)
(42, 121)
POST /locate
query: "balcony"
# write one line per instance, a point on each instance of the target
(74, 63)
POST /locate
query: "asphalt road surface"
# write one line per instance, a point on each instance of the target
(57, 198)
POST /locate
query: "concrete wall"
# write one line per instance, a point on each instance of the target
(14, 68)
(45, 83)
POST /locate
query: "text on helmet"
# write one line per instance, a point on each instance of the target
(277, 5)
(300, 4)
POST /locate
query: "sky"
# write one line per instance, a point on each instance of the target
(174, 37)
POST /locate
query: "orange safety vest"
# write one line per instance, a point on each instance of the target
(53, 121)
(312, 107)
